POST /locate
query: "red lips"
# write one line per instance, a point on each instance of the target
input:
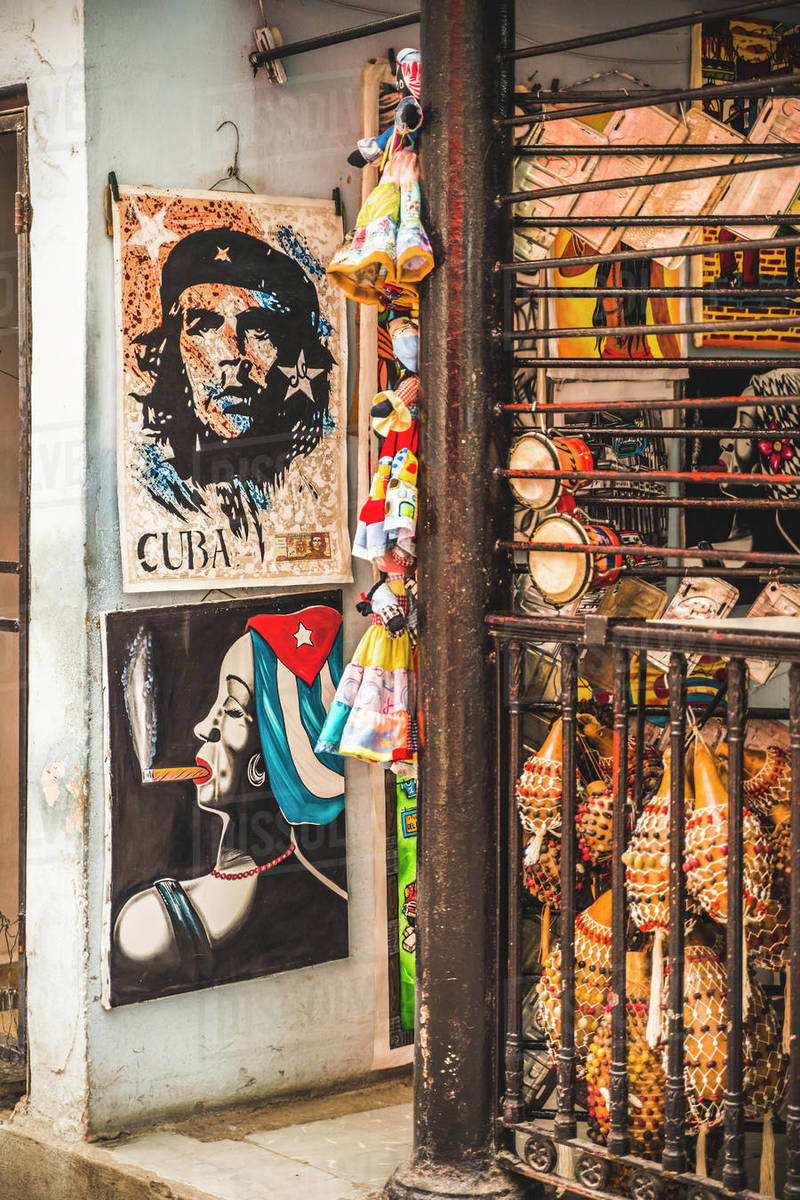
(201, 762)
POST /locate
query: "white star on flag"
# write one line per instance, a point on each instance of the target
(300, 377)
(303, 636)
(151, 234)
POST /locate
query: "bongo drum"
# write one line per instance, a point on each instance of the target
(535, 452)
(563, 576)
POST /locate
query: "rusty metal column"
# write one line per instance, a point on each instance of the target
(464, 372)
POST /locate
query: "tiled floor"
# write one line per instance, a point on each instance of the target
(348, 1157)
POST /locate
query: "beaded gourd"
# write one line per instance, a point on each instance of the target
(705, 1036)
(706, 847)
(644, 1068)
(542, 877)
(647, 858)
(593, 823)
(767, 776)
(592, 980)
(538, 791)
(705, 1041)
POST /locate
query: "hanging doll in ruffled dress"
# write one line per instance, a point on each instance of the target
(373, 716)
(373, 713)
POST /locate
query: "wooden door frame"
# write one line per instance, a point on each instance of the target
(13, 120)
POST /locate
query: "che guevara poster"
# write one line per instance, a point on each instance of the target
(232, 366)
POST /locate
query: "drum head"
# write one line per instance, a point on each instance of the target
(560, 577)
(534, 452)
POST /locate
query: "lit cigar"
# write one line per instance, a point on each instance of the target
(196, 772)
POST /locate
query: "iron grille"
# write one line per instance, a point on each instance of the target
(537, 1132)
(660, 493)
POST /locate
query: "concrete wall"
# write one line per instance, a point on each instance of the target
(42, 45)
(159, 79)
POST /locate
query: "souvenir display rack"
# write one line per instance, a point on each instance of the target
(542, 1109)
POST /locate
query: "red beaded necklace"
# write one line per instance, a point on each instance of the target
(253, 870)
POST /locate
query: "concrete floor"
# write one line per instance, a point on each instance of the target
(339, 1146)
(348, 1157)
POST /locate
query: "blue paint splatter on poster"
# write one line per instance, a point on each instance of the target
(298, 249)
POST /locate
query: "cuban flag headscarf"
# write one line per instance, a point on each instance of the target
(297, 660)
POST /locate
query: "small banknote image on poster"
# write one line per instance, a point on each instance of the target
(401, 898)
(225, 836)
(232, 367)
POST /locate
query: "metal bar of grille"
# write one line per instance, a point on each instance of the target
(705, 638)
(733, 1175)
(577, 331)
(671, 502)
(781, 573)
(618, 1140)
(674, 1155)
(653, 222)
(638, 432)
(587, 406)
(641, 714)
(527, 291)
(774, 714)
(512, 1099)
(729, 480)
(589, 260)
(504, 878)
(565, 1124)
(770, 85)
(660, 364)
(792, 1191)
(754, 556)
(698, 149)
(260, 58)
(632, 31)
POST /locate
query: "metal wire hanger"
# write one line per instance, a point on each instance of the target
(233, 169)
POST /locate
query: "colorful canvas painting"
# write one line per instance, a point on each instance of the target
(225, 837)
(606, 312)
(401, 901)
(739, 50)
(232, 366)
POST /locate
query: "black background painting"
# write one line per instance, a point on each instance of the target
(157, 830)
(716, 525)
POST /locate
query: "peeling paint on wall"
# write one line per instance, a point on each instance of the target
(49, 780)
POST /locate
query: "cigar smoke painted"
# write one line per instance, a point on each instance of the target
(139, 688)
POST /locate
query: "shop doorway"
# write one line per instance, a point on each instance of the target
(14, 589)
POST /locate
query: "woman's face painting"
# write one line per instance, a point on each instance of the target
(229, 731)
(736, 453)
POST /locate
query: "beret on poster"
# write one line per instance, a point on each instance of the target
(237, 259)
